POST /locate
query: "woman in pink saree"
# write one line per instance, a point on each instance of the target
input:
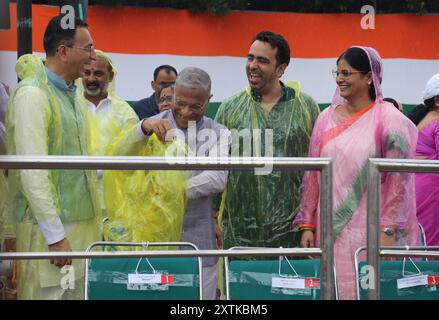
(426, 118)
(359, 125)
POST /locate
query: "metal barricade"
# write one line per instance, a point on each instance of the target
(376, 166)
(324, 165)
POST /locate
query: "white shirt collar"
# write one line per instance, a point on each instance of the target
(103, 105)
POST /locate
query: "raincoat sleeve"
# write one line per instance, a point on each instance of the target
(313, 108)
(130, 117)
(3, 101)
(3, 191)
(31, 119)
(130, 141)
(399, 138)
(2, 139)
(209, 182)
(7, 219)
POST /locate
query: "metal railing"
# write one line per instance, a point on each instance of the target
(376, 166)
(324, 165)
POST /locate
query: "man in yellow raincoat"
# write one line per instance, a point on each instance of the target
(55, 210)
(107, 114)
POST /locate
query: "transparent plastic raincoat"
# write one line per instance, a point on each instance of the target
(257, 209)
(3, 182)
(146, 205)
(3, 197)
(48, 205)
(104, 127)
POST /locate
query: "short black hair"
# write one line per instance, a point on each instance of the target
(276, 41)
(359, 60)
(165, 67)
(55, 34)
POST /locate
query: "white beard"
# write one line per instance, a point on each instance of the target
(97, 92)
(93, 93)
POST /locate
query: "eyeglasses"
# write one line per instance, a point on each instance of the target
(165, 99)
(87, 49)
(344, 73)
(195, 107)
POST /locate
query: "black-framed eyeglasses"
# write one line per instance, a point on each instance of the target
(344, 73)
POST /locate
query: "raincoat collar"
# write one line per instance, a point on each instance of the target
(59, 83)
(288, 93)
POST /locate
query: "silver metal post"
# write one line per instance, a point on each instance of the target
(326, 235)
(373, 229)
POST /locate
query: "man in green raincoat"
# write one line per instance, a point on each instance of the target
(55, 210)
(269, 118)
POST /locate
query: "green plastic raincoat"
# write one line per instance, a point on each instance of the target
(257, 210)
(44, 119)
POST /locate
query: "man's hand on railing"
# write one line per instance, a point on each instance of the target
(60, 246)
(307, 239)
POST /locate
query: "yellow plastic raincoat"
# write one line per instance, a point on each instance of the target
(104, 126)
(44, 118)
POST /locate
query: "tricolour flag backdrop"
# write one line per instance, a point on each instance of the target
(140, 39)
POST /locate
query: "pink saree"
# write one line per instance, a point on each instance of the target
(427, 184)
(379, 131)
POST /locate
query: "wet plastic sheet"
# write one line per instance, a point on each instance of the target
(145, 205)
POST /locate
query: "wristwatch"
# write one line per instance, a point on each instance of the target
(389, 231)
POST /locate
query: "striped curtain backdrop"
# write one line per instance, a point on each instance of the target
(140, 39)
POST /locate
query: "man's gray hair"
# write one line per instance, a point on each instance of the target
(194, 78)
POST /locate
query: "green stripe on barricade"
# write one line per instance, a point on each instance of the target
(213, 108)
